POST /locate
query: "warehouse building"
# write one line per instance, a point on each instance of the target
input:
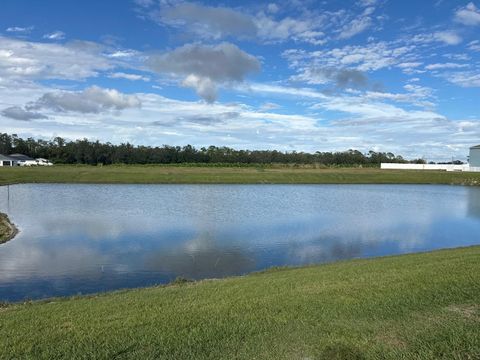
(474, 158)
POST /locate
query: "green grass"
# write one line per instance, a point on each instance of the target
(418, 306)
(229, 175)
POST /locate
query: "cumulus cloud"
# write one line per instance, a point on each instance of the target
(56, 35)
(207, 21)
(18, 113)
(364, 123)
(468, 15)
(26, 60)
(204, 67)
(91, 100)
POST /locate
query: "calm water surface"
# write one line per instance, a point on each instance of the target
(78, 239)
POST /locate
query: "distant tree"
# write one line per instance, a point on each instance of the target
(84, 151)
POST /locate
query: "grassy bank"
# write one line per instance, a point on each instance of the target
(229, 175)
(7, 229)
(419, 306)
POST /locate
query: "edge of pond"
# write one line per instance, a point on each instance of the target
(181, 281)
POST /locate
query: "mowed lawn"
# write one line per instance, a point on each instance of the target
(226, 175)
(418, 306)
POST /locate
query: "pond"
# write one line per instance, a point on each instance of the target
(80, 239)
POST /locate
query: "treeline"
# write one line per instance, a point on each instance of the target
(84, 151)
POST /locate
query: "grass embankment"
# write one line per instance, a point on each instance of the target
(229, 175)
(7, 229)
(418, 306)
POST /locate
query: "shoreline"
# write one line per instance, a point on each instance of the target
(8, 230)
(183, 281)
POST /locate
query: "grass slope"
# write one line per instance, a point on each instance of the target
(246, 175)
(418, 306)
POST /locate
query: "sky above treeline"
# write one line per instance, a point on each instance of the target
(382, 75)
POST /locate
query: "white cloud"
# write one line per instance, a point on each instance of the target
(91, 100)
(204, 67)
(447, 37)
(474, 45)
(371, 57)
(127, 76)
(341, 78)
(56, 35)
(33, 60)
(468, 15)
(283, 91)
(299, 30)
(273, 8)
(445, 66)
(267, 106)
(465, 79)
(124, 54)
(356, 26)
(367, 3)
(409, 65)
(367, 123)
(416, 95)
(458, 57)
(18, 113)
(207, 21)
(19, 29)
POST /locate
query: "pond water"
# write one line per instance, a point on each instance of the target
(79, 239)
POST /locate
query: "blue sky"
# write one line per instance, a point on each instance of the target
(384, 75)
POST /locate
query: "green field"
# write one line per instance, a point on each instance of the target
(419, 306)
(229, 175)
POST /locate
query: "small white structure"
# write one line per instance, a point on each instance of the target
(24, 160)
(43, 162)
(7, 161)
(443, 167)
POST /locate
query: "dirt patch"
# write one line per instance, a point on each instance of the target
(391, 340)
(470, 312)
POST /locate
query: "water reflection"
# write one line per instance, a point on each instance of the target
(474, 202)
(89, 238)
(201, 258)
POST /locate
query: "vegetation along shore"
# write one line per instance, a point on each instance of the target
(417, 306)
(8, 230)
